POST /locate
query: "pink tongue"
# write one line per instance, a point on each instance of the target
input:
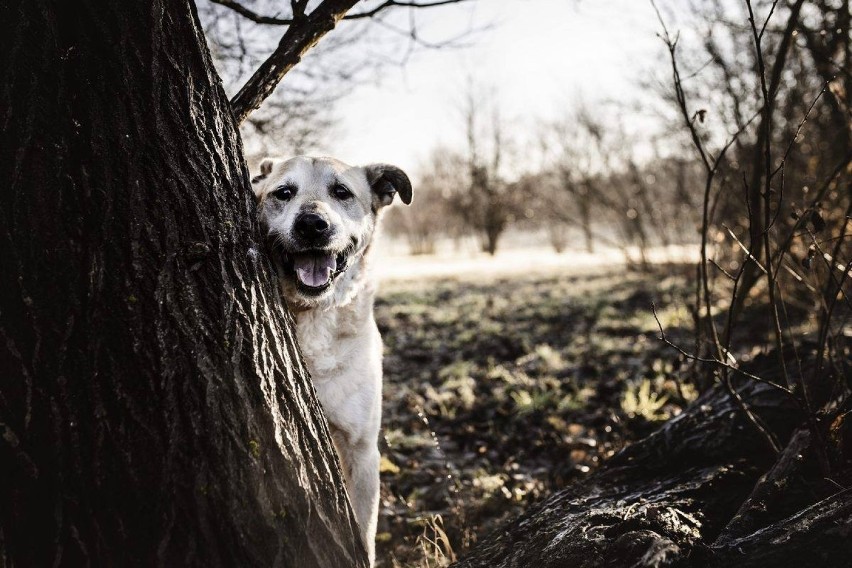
(314, 270)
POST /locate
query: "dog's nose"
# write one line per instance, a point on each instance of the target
(311, 225)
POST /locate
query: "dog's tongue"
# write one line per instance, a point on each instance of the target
(314, 270)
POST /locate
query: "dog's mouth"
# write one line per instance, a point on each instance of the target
(315, 270)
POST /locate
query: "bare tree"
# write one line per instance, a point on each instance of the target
(754, 473)
(436, 216)
(567, 194)
(591, 179)
(488, 202)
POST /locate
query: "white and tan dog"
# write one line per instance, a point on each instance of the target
(320, 216)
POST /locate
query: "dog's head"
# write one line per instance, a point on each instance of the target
(320, 215)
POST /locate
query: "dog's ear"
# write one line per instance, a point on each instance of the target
(266, 166)
(386, 181)
(265, 169)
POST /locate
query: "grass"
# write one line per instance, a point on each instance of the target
(498, 393)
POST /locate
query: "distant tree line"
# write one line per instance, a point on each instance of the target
(580, 185)
(586, 181)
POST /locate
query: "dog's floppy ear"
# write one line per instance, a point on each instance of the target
(265, 169)
(266, 166)
(386, 181)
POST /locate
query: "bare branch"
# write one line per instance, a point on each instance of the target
(767, 434)
(303, 32)
(252, 15)
(299, 10)
(693, 357)
(747, 252)
(301, 36)
(397, 3)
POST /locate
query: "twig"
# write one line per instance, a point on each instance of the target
(755, 420)
(718, 362)
(747, 252)
(276, 21)
(768, 17)
(722, 270)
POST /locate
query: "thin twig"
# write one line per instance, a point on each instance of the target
(728, 366)
(747, 252)
(755, 420)
(769, 92)
(276, 21)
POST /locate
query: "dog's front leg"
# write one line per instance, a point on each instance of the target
(363, 473)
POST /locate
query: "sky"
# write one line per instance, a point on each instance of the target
(538, 56)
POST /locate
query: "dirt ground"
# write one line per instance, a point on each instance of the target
(497, 393)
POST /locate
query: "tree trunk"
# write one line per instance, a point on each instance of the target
(665, 501)
(585, 206)
(153, 407)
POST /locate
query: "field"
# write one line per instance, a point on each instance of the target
(501, 389)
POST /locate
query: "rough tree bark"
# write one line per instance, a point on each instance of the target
(688, 496)
(153, 408)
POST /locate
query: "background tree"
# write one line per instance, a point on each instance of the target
(591, 179)
(488, 202)
(755, 472)
(436, 216)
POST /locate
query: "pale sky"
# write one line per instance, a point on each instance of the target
(539, 55)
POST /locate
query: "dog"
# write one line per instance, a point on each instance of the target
(320, 216)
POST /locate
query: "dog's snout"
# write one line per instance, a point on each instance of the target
(311, 225)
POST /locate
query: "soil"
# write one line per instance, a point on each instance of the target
(498, 393)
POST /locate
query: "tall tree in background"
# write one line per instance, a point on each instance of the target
(487, 202)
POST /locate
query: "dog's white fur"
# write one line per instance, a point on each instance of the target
(336, 331)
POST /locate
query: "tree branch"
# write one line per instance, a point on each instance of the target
(252, 15)
(275, 21)
(301, 36)
(399, 3)
(303, 32)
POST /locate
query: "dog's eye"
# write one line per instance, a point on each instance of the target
(340, 191)
(284, 192)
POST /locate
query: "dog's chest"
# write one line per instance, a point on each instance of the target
(327, 340)
(342, 350)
